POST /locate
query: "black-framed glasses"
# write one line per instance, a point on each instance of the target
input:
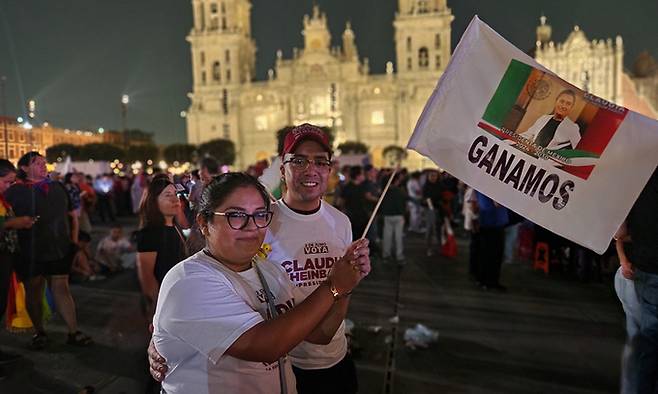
(302, 163)
(238, 220)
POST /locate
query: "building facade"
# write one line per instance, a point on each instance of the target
(21, 139)
(596, 66)
(320, 84)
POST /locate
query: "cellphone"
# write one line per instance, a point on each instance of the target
(179, 188)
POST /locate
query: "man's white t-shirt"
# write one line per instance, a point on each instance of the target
(306, 247)
(200, 314)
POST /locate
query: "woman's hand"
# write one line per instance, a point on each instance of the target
(157, 363)
(347, 272)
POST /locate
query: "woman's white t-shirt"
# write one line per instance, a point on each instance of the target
(200, 314)
(306, 246)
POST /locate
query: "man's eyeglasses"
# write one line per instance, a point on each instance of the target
(239, 220)
(302, 163)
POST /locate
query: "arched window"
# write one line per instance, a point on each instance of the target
(408, 44)
(423, 58)
(216, 74)
(437, 41)
(437, 62)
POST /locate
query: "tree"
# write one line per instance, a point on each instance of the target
(221, 149)
(281, 135)
(101, 151)
(393, 155)
(60, 151)
(353, 148)
(180, 153)
(142, 153)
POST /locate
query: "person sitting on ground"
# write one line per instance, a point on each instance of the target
(84, 267)
(114, 252)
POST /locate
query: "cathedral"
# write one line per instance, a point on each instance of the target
(332, 86)
(320, 85)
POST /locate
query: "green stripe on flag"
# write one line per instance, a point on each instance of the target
(507, 92)
(574, 153)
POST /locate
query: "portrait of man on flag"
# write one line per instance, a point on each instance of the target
(548, 118)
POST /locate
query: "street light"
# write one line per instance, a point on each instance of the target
(31, 114)
(125, 100)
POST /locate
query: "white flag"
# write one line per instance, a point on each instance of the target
(563, 158)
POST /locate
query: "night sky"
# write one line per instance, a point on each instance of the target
(77, 57)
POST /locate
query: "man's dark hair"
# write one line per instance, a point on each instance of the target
(222, 186)
(6, 167)
(567, 92)
(210, 164)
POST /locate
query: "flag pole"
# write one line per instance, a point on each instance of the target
(379, 202)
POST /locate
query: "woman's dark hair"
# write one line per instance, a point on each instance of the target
(6, 167)
(67, 178)
(222, 186)
(149, 211)
(26, 160)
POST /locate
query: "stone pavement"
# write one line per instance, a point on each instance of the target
(545, 335)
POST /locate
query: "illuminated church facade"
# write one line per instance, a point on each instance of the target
(321, 85)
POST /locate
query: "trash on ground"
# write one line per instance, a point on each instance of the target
(374, 329)
(420, 337)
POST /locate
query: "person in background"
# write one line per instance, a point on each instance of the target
(493, 219)
(137, 191)
(209, 168)
(103, 186)
(114, 250)
(472, 226)
(392, 209)
(433, 200)
(160, 243)
(9, 223)
(71, 184)
(47, 248)
(83, 267)
(415, 203)
(373, 190)
(87, 203)
(642, 267)
(353, 197)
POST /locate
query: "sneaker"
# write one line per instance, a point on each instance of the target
(7, 358)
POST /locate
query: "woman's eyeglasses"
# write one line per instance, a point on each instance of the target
(239, 220)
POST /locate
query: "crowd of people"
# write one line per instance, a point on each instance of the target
(247, 290)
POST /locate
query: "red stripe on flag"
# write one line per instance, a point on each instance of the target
(600, 130)
(494, 131)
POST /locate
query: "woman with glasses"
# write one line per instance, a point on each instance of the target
(225, 318)
(160, 243)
